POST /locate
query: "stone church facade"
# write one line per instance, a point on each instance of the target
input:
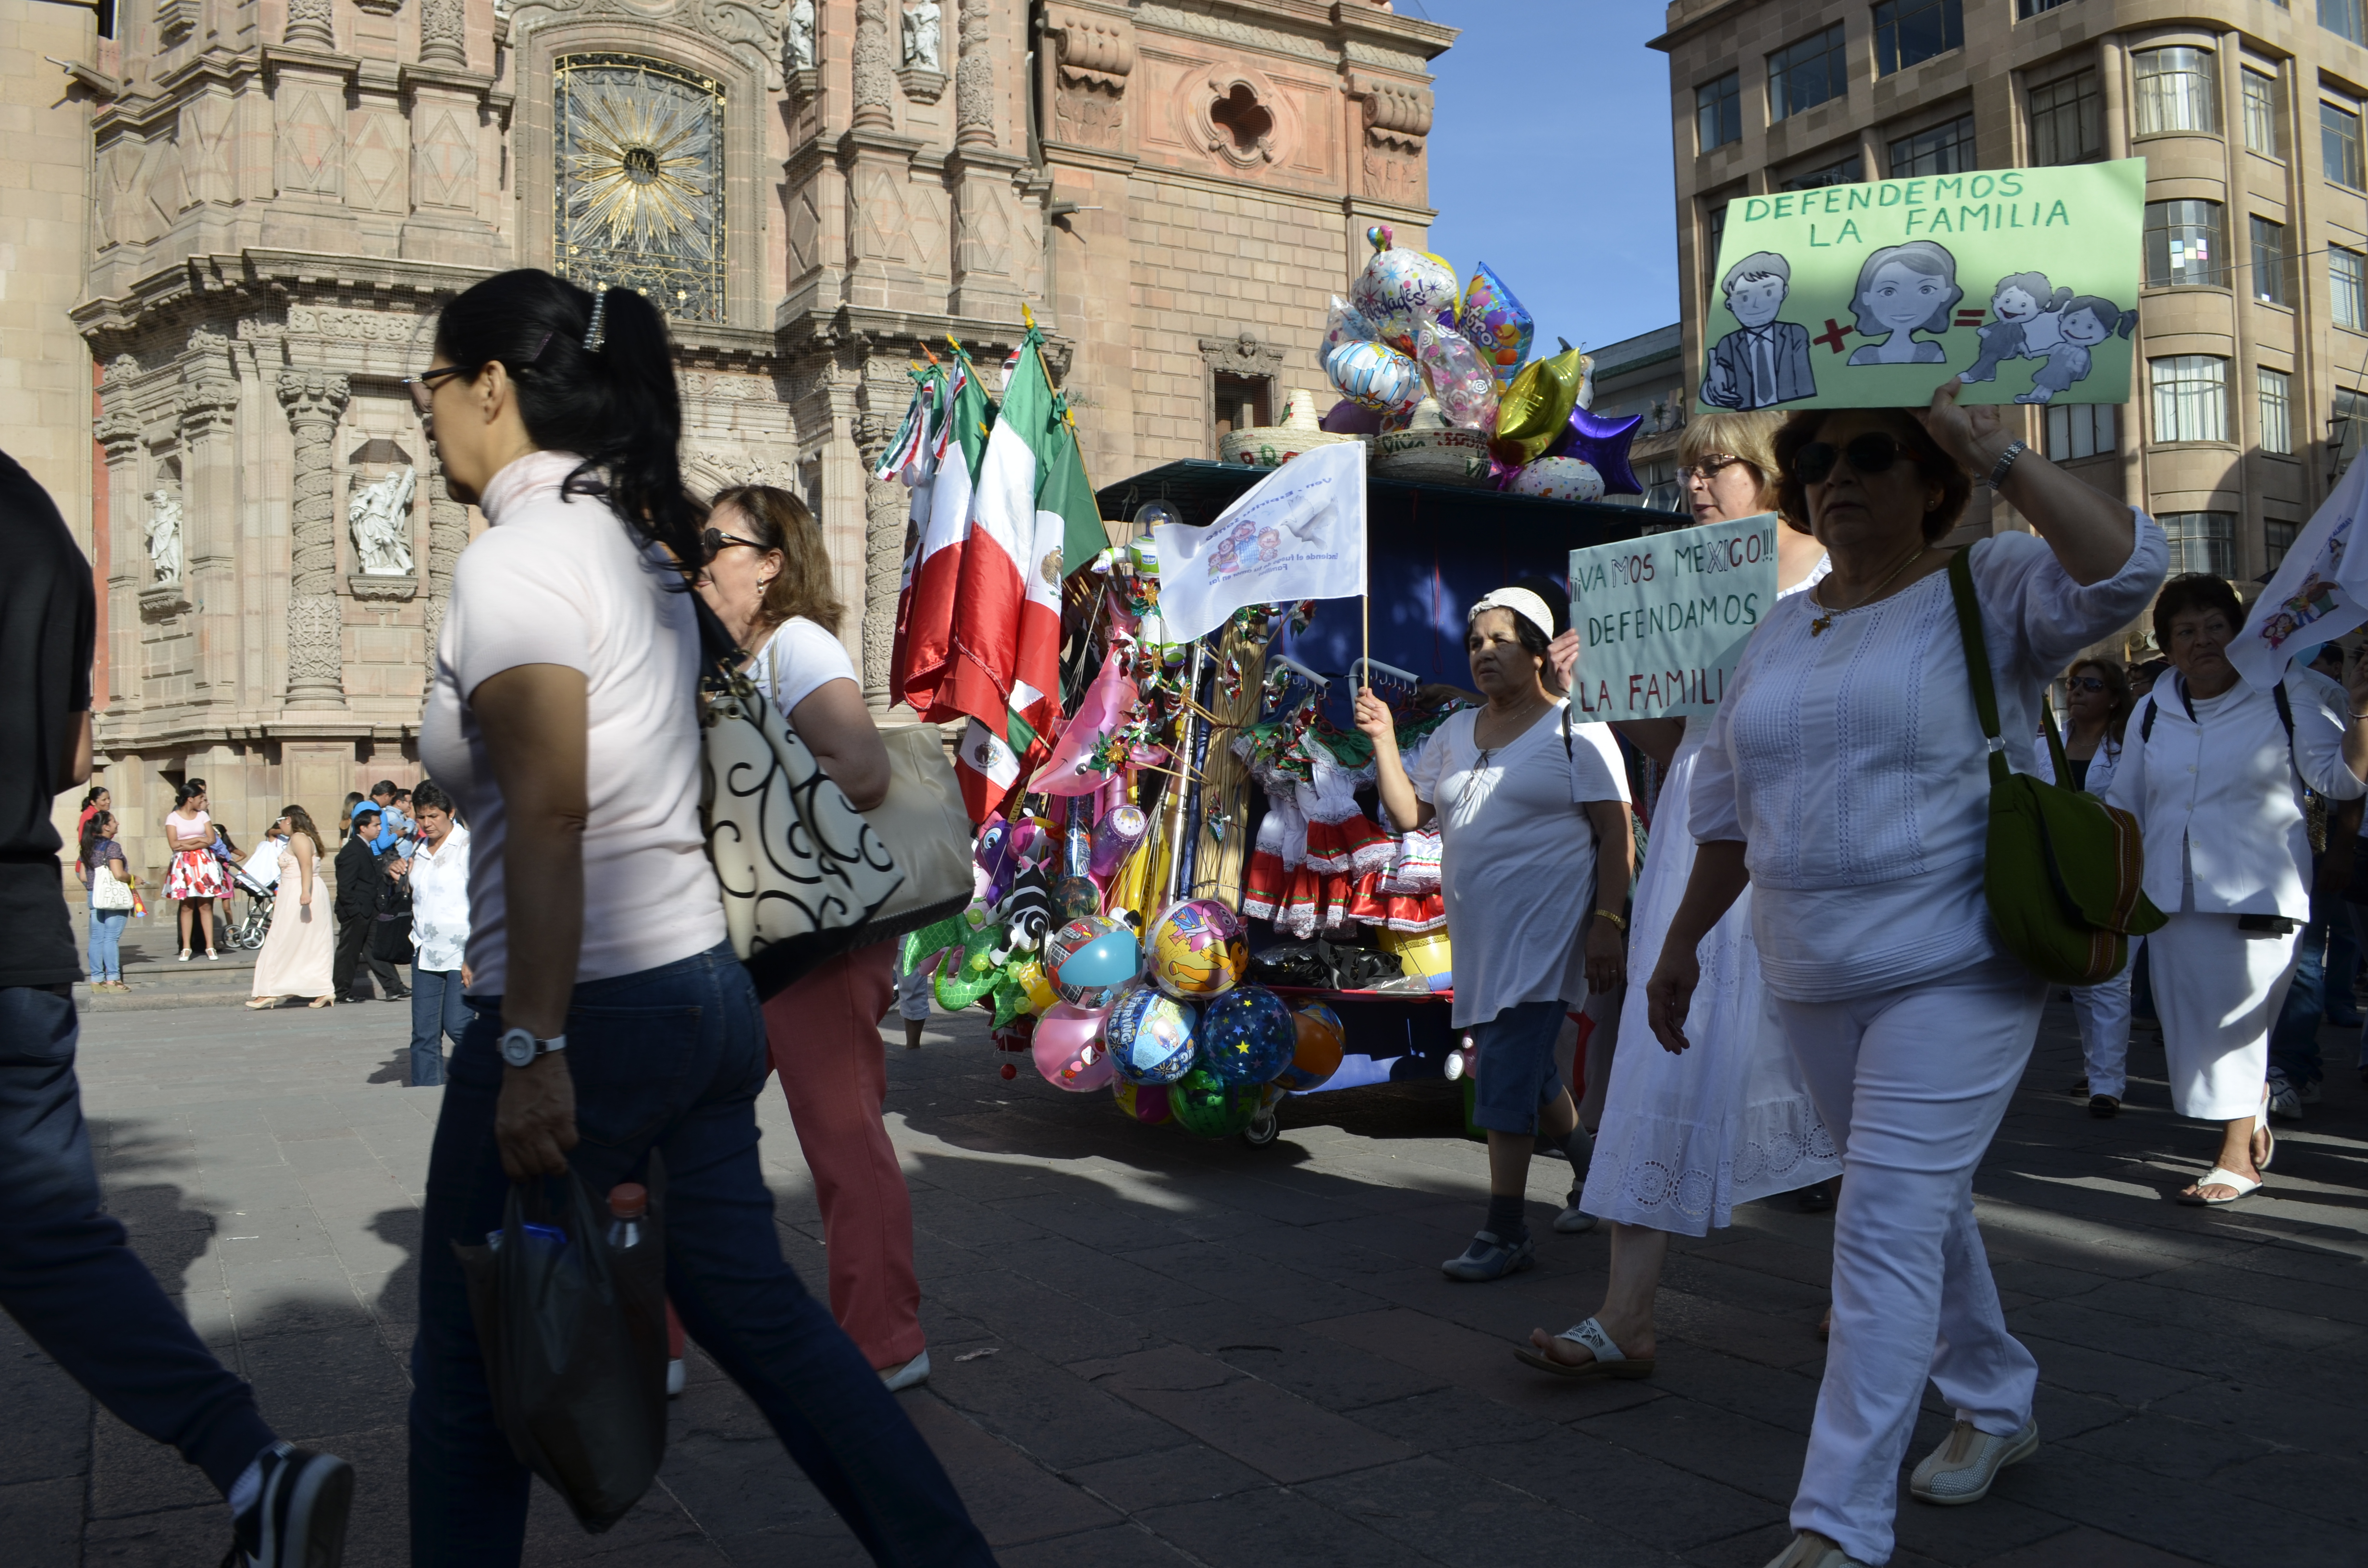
(281, 192)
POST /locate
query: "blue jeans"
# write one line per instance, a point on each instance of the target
(437, 1010)
(106, 934)
(2294, 1039)
(1514, 1072)
(2342, 958)
(72, 1282)
(670, 1059)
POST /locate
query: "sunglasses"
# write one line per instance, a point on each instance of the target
(717, 541)
(421, 387)
(1709, 467)
(2087, 683)
(1874, 452)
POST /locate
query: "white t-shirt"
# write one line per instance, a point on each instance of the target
(1516, 856)
(439, 902)
(798, 660)
(559, 581)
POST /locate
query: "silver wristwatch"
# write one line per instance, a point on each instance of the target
(519, 1047)
(2014, 449)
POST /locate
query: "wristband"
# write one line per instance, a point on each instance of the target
(1616, 920)
(2014, 449)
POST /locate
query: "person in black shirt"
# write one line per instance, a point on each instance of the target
(68, 1275)
(361, 876)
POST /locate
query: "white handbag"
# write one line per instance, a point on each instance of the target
(105, 892)
(805, 876)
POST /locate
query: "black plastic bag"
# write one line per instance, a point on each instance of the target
(1324, 965)
(573, 1337)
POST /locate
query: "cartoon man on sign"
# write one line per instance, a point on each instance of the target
(1765, 361)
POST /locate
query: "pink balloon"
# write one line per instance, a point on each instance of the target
(1069, 1049)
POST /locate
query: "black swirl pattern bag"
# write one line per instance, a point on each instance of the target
(805, 876)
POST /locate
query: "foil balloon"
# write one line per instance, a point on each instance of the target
(1319, 1041)
(1345, 324)
(1069, 1049)
(1535, 409)
(1375, 375)
(1206, 1104)
(1458, 377)
(1151, 1036)
(1074, 898)
(1114, 837)
(1247, 1036)
(1496, 323)
(1197, 947)
(1145, 1103)
(1558, 479)
(1402, 289)
(1062, 945)
(1603, 441)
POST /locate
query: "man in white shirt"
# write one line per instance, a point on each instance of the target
(439, 933)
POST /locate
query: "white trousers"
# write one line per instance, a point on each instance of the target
(2217, 991)
(1912, 1083)
(2103, 1011)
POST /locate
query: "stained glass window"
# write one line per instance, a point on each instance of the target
(639, 186)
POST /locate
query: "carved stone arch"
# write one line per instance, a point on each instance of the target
(739, 70)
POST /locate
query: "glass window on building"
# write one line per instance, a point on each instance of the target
(2176, 90)
(2183, 245)
(1718, 112)
(1804, 74)
(2265, 120)
(2338, 145)
(2190, 397)
(1907, 32)
(2067, 122)
(2079, 430)
(1939, 150)
(1842, 171)
(2202, 541)
(2278, 535)
(2347, 18)
(2026, 9)
(2276, 390)
(1662, 491)
(1713, 236)
(2272, 268)
(2348, 426)
(2347, 287)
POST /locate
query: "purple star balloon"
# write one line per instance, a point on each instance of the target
(1604, 443)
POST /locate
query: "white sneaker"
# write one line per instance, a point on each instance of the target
(912, 1374)
(2285, 1103)
(1968, 1460)
(1814, 1551)
(1574, 1221)
(673, 1378)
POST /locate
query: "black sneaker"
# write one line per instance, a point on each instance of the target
(298, 1518)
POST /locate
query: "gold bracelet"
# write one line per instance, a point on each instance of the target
(1616, 920)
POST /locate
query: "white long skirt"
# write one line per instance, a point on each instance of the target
(2218, 990)
(1685, 1138)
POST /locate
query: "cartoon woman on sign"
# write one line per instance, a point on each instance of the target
(2085, 322)
(1904, 290)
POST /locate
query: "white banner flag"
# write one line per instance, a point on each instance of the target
(2320, 591)
(1297, 534)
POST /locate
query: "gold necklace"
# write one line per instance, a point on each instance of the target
(1826, 620)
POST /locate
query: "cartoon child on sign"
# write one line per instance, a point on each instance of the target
(2085, 323)
(1904, 290)
(1765, 361)
(2028, 325)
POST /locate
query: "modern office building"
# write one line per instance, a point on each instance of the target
(2251, 386)
(1645, 376)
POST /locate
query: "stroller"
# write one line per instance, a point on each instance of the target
(248, 925)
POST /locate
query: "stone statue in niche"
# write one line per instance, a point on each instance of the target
(164, 535)
(923, 50)
(802, 35)
(380, 515)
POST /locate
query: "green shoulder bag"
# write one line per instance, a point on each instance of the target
(2065, 873)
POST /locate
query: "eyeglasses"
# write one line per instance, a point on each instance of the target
(717, 541)
(1874, 452)
(2086, 683)
(1709, 467)
(421, 387)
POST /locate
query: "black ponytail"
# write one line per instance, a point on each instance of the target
(618, 406)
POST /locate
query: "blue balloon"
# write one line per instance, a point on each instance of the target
(1110, 959)
(1247, 1036)
(1150, 1035)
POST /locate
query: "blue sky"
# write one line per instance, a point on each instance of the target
(1549, 160)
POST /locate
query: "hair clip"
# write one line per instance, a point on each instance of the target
(597, 335)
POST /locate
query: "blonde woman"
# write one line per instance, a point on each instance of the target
(300, 948)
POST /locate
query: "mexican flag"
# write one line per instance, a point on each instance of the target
(942, 508)
(989, 767)
(912, 458)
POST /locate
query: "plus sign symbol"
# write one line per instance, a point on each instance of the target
(1834, 334)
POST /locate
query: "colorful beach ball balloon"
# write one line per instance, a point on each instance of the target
(1198, 948)
(1151, 1036)
(1247, 1036)
(1067, 943)
(1069, 1049)
(1145, 1103)
(1207, 1105)
(1321, 1040)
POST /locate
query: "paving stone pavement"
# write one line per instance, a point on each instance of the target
(1150, 1349)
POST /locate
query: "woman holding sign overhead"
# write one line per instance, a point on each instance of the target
(1685, 1138)
(1845, 781)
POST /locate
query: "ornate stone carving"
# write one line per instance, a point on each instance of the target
(380, 8)
(443, 33)
(175, 19)
(315, 399)
(163, 530)
(874, 80)
(798, 42)
(887, 509)
(312, 24)
(118, 436)
(379, 516)
(1094, 56)
(357, 326)
(447, 535)
(923, 43)
(1234, 117)
(975, 80)
(1397, 113)
(208, 406)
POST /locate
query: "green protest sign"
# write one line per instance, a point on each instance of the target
(1662, 620)
(2024, 282)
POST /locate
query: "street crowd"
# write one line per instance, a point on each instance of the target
(1816, 996)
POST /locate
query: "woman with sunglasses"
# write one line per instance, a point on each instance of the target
(2097, 705)
(612, 1021)
(1683, 1138)
(1845, 781)
(767, 579)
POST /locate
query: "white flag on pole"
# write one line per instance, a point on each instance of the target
(1297, 534)
(2320, 591)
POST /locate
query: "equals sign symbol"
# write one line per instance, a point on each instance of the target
(1971, 318)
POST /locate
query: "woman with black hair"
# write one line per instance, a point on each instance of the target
(109, 880)
(611, 1018)
(1532, 806)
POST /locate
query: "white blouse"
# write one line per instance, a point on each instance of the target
(2218, 795)
(1852, 767)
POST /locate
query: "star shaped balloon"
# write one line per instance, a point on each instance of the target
(1604, 443)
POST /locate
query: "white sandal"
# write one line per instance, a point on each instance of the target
(1610, 1361)
(2219, 1176)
